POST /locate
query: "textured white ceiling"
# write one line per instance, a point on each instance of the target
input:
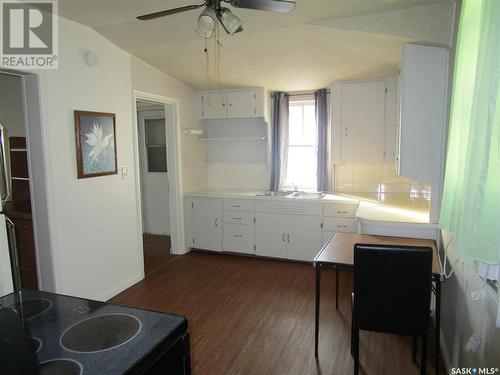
(299, 51)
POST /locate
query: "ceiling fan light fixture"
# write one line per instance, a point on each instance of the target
(229, 21)
(206, 23)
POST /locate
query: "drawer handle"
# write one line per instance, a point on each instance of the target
(236, 206)
(236, 218)
(237, 235)
(341, 226)
(341, 212)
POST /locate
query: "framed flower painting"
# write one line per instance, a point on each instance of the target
(95, 144)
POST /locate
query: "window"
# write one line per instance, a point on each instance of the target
(156, 147)
(302, 145)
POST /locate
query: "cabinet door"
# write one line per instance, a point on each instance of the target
(214, 105)
(304, 237)
(238, 238)
(241, 104)
(207, 224)
(270, 235)
(362, 122)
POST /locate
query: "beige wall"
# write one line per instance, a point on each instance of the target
(148, 79)
(96, 252)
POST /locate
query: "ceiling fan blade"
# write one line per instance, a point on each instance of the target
(168, 12)
(280, 6)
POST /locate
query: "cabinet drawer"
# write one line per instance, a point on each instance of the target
(339, 225)
(340, 210)
(238, 204)
(238, 238)
(238, 217)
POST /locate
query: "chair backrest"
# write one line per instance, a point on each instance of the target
(392, 288)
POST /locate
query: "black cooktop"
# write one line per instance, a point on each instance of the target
(79, 336)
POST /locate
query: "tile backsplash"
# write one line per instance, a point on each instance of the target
(367, 178)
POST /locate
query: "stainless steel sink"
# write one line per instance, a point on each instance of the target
(280, 193)
(306, 195)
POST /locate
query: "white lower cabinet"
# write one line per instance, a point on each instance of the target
(270, 235)
(206, 221)
(272, 228)
(304, 237)
(294, 237)
(238, 238)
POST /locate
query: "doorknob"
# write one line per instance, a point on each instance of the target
(288, 238)
(216, 219)
(283, 237)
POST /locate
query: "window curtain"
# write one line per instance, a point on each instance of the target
(279, 132)
(321, 101)
(471, 196)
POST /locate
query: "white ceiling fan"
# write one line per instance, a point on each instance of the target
(214, 12)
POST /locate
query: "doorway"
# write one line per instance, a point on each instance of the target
(152, 142)
(23, 181)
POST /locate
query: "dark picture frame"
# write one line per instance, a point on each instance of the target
(95, 139)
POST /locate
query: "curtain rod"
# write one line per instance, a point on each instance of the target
(300, 93)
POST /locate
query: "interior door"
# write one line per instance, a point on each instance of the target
(207, 224)
(270, 235)
(241, 104)
(154, 173)
(363, 122)
(304, 237)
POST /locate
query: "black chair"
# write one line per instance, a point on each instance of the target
(392, 292)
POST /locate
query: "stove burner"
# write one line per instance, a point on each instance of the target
(100, 333)
(63, 366)
(30, 308)
(37, 343)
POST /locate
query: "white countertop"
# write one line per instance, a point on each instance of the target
(388, 207)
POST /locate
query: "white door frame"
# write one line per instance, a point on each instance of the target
(173, 133)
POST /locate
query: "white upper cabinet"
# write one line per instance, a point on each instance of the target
(364, 121)
(213, 105)
(424, 84)
(424, 101)
(234, 103)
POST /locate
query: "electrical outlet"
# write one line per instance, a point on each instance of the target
(473, 344)
(478, 294)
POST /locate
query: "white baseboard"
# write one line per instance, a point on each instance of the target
(110, 293)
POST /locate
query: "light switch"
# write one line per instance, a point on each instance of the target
(124, 173)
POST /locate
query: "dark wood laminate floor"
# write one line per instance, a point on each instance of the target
(156, 251)
(254, 317)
